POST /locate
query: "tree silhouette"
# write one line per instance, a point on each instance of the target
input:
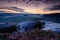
(39, 24)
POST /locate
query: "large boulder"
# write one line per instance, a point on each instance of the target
(52, 26)
(25, 26)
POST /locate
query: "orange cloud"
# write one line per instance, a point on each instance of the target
(9, 11)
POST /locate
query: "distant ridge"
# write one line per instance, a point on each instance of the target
(55, 17)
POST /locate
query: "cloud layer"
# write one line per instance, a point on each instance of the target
(32, 6)
(55, 7)
(12, 8)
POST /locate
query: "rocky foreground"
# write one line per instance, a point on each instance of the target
(34, 34)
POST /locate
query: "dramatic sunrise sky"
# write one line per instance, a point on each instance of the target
(30, 6)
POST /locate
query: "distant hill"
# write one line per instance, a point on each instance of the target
(52, 17)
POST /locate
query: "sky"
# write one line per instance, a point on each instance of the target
(30, 6)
